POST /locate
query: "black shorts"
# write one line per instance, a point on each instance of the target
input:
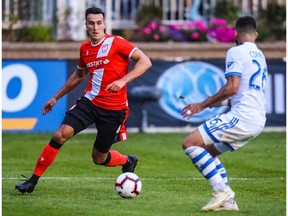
(108, 122)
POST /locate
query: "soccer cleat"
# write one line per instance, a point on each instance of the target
(219, 198)
(131, 164)
(230, 205)
(28, 186)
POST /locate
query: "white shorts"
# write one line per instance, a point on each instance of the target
(227, 132)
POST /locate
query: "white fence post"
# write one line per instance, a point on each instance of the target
(108, 15)
(61, 26)
(77, 20)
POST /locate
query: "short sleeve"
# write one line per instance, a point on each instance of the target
(234, 62)
(81, 64)
(125, 47)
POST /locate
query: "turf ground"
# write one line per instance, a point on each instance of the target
(72, 185)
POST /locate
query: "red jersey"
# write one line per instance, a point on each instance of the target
(106, 61)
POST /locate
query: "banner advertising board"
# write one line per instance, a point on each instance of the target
(155, 99)
(192, 81)
(26, 86)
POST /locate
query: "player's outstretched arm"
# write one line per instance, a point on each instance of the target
(226, 102)
(229, 89)
(48, 105)
(74, 80)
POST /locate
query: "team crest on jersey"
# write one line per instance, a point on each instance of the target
(230, 64)
(105, 48)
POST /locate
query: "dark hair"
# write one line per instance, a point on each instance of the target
(246, 24)
(94, 10)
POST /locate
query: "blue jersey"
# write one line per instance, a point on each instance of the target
(249, 63)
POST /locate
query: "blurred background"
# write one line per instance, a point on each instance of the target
(54, 20)
(186, 40)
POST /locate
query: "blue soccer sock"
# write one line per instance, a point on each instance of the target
(205, 164)
(220, 168)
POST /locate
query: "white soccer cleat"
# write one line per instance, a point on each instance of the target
(219, 198)
(230, 205)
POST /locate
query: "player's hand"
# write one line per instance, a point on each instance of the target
(115, 86)
(48, 105)
(191, 109)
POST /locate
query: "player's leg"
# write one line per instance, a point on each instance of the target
(230, 205)
(220, 168)
(218, 141)
(111, 158)
(201, 156)
(46, 157)
(108, 133)
(196, 150)
(51, 150)
(70, 126)
(114, 158)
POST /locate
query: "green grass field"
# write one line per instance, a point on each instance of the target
(73, 185)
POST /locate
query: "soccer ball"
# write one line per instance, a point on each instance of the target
(128, 185)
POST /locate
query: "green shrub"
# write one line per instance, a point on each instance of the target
(272, 23)
(38, 33)
(226, 10)
(147, 13)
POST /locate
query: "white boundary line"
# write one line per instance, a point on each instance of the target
(187, 129)
(145, 179)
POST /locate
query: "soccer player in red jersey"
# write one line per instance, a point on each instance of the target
(104, 103)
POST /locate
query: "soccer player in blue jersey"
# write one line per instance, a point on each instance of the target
(246, 73)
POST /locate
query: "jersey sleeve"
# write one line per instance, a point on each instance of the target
(125, 47)
(81, 64)
(234, 63)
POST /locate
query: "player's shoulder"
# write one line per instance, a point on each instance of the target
(118, 38)
(235, 51)
(121, 42)
(85, 44)
(248, 49)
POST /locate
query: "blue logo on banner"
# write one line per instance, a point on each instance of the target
(190, 82)
(26, 86)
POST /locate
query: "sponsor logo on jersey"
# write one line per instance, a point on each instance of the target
(106, 61)
(97, 63)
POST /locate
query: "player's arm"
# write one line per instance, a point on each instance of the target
(74, 80)
(229, 89)
(143, 63)
(226, 102)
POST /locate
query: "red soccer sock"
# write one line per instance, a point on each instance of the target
(46, 157)
(116, 159)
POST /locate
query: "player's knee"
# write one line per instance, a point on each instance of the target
(64, 133)
(190, 141)
(186, 143)
(60, 137)
(193, 139)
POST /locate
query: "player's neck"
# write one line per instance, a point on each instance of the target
(246, 38)
(96, 41)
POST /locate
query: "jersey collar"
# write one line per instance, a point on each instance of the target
(99, 41)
